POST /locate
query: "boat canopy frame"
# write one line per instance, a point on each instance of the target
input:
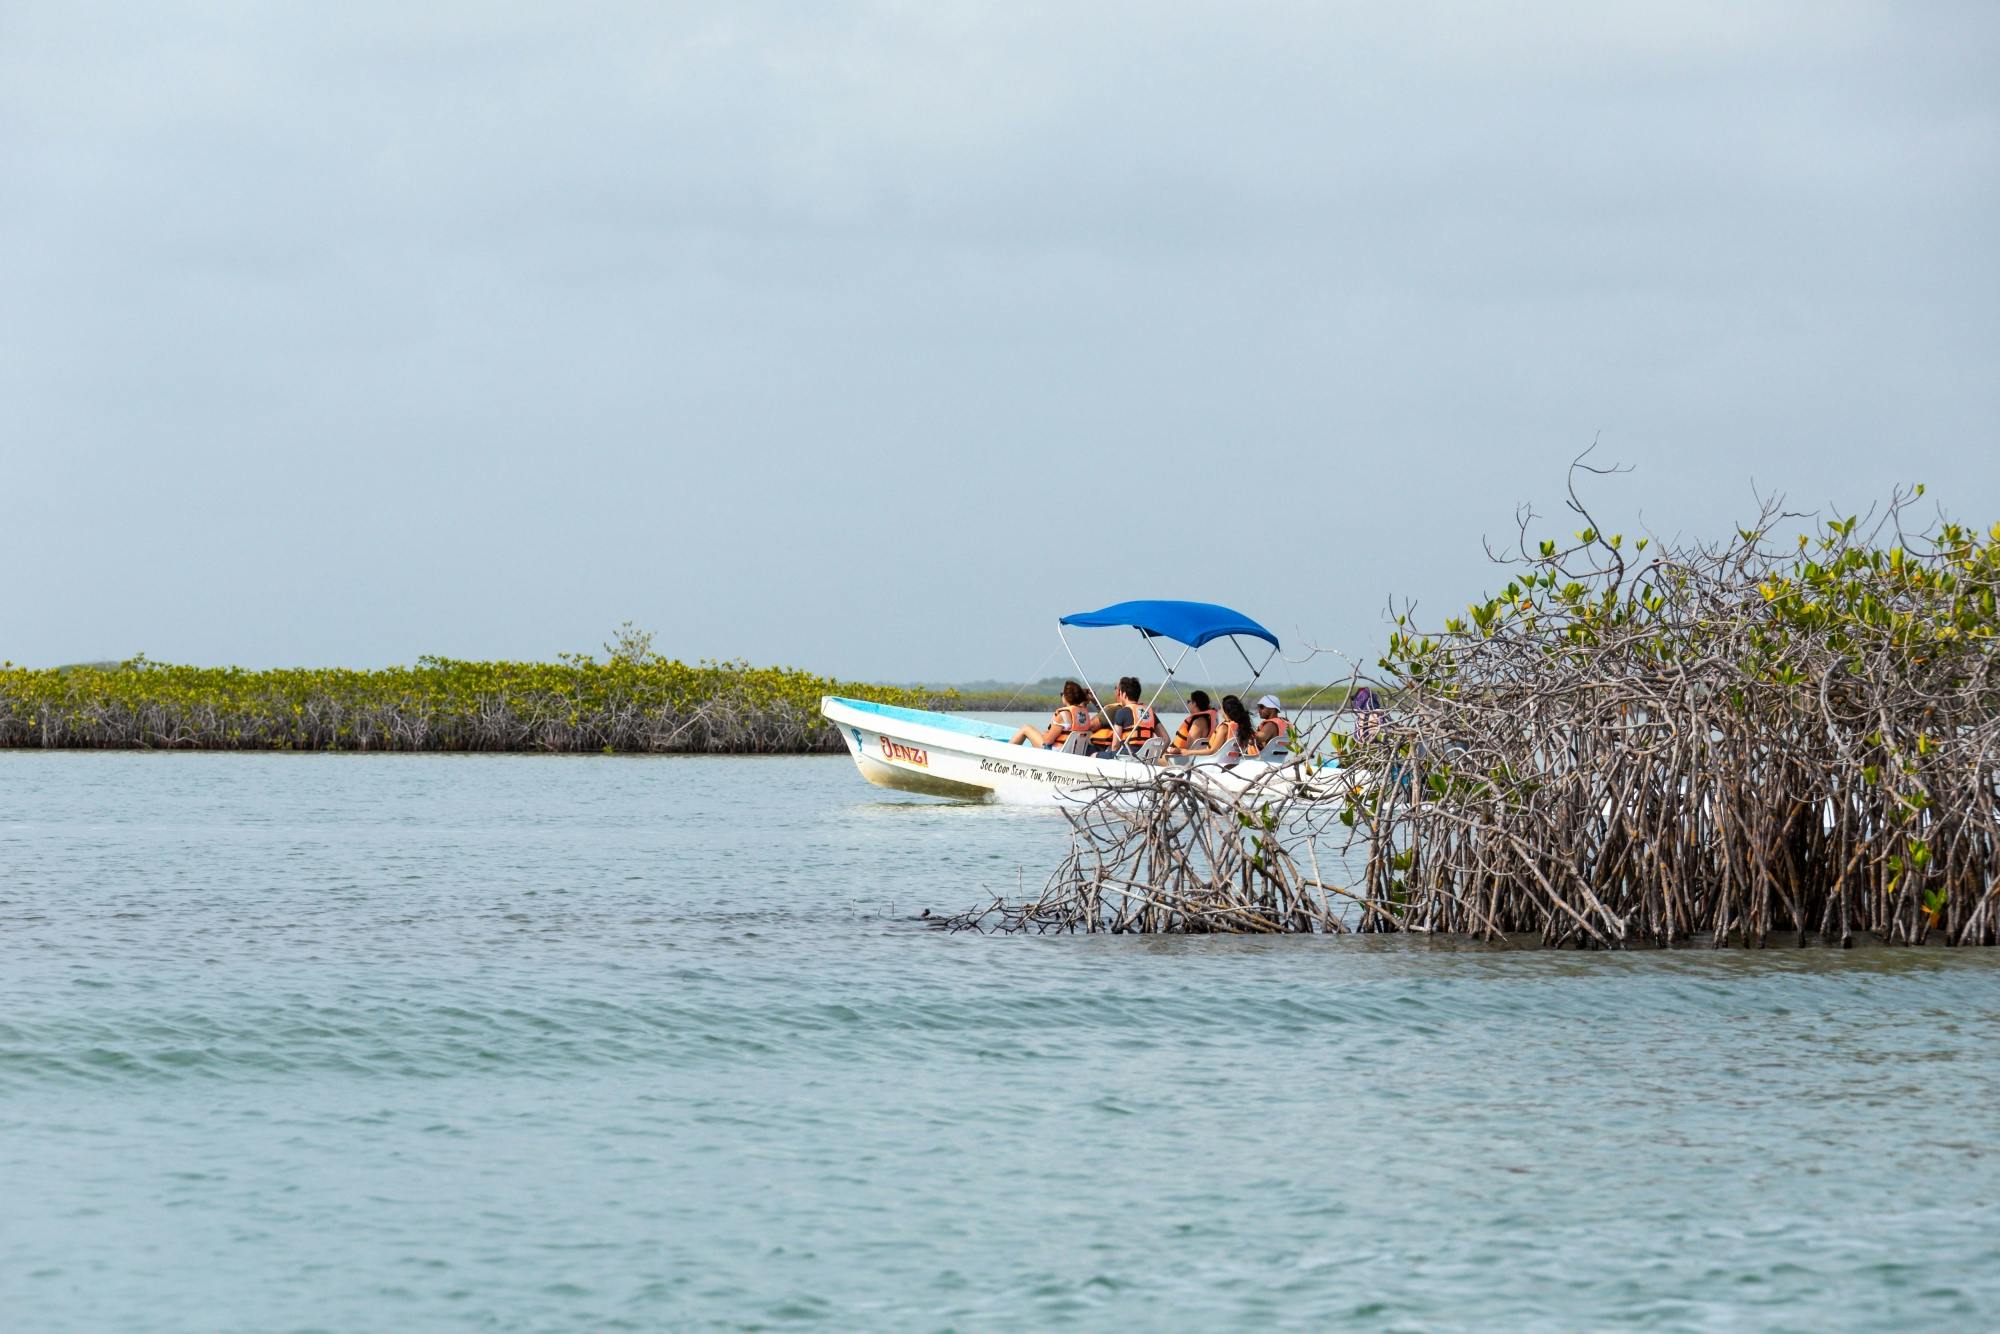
(1189, 624)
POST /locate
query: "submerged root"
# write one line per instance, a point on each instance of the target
(1175, 856)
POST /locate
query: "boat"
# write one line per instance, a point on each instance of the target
(967, 759)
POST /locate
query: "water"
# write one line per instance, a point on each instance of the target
(522, 1043)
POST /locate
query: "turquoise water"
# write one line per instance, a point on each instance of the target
(342, 1042)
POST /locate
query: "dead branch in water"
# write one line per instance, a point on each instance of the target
(1174, 856)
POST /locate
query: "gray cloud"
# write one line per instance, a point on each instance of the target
(872, 337)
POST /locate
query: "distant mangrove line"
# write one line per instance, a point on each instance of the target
(634, 702)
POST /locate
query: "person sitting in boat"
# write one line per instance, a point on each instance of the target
(1072, 716)
(1234, 736)
(1367, 713)
(1197, 727)
(1274, 732)
(1128, 724)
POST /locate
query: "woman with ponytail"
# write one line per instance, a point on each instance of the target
(1235, 736)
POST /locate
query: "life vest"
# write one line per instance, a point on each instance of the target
(1144, 723)
(1284, 730)
(1068, 718)
(1242, 745)
(1187, 725)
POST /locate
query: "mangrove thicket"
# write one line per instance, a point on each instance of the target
(1788, 734)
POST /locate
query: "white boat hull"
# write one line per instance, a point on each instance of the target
(949, 755)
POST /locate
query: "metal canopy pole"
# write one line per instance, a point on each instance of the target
(1237, 644)
(1255, 671)
(1261, 670)
(1163, 667)
(1074, 663)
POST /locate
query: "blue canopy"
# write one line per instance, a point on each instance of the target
(1190, 623)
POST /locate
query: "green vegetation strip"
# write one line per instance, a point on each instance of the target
(576, 705)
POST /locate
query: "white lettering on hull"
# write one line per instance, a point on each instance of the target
(1009, 769)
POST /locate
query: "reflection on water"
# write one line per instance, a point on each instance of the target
(352, 1041)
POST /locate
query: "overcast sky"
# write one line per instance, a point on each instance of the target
(869, 338)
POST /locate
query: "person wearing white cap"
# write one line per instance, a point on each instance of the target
(1274, 732)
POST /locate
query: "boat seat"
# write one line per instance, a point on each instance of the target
(1153, 749)
(1078, 744)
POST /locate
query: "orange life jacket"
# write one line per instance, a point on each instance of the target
(1284, 730)
(1241, 744)
(1068, 719)
(1187, 725)
(1144, 723)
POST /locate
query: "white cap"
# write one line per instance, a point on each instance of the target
(1269, 702)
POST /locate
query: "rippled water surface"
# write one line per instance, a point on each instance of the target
(513, 1042)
